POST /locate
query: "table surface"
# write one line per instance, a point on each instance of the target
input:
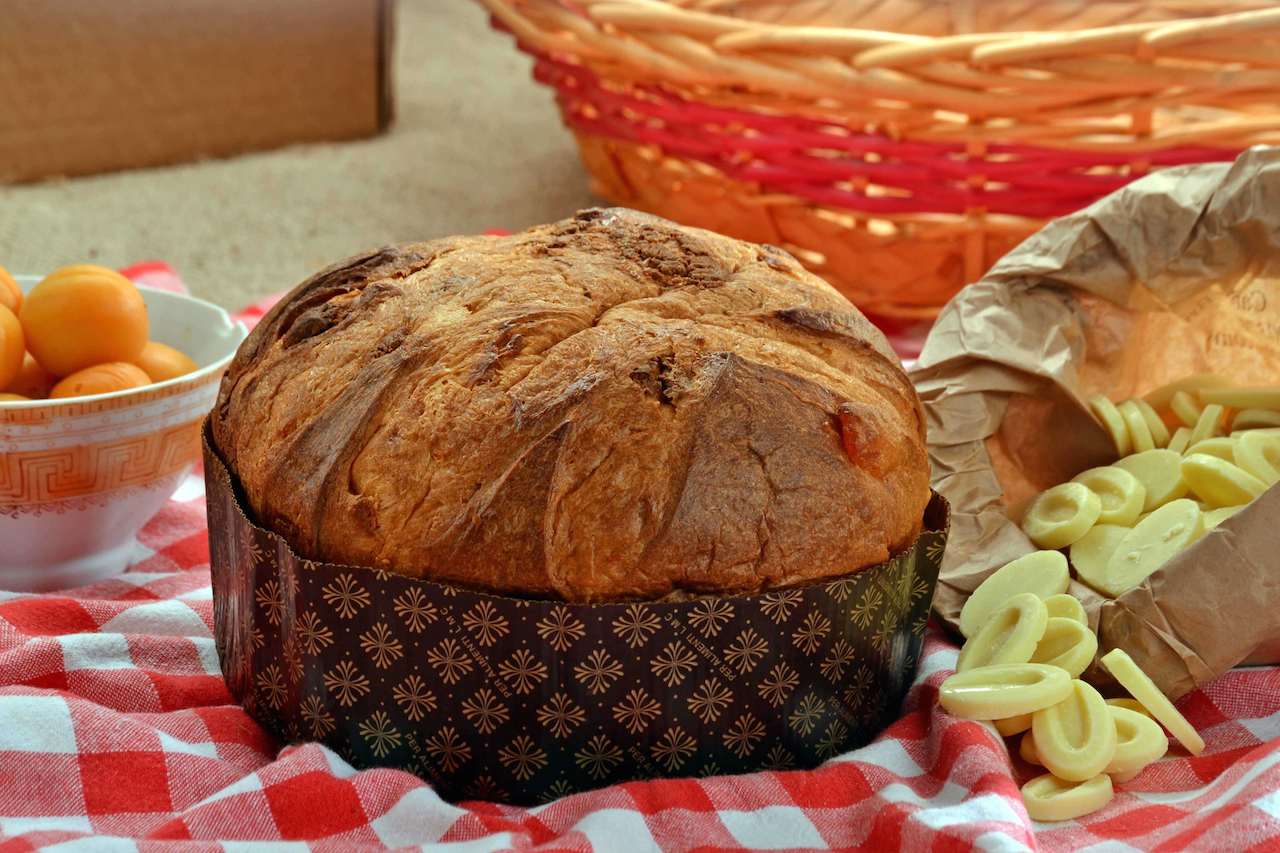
(117, 733)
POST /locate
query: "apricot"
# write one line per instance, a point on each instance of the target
(32, 381)
(161, 362)
(101, 379)
(84, 315)
(12, 347)
(10, 293)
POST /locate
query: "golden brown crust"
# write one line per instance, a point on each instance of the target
(609, 407)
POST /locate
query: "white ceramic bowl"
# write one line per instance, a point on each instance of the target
(79, 477)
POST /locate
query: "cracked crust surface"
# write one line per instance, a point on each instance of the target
(610, 407)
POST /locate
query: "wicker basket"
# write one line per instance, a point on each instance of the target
(897, 147)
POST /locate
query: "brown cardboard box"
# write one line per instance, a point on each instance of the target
(88, 86)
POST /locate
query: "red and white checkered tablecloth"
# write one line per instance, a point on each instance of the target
(117, 733)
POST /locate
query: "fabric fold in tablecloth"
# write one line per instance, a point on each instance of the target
(116, 732)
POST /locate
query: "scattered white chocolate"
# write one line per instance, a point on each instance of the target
(1142, 688)
(1207, 425)
(1049, 798)
(1065, 606)
(1218, 482)
(1011, 726)
(1076, 737)
(1221, 446)
(1139, 433)
(1159, 432)
(1092, 554)
(1009, 636)
(1168, 531)
(1068, 644)
(1107, 412)
(1186, 408)
(1005, 690)
(1266, 397)
(1259, 454)
(1160, 472)
(1139, 741)
(1121, 494)
(1041, 572)
(1061, 515)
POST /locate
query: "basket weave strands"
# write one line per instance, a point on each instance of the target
(897, 147)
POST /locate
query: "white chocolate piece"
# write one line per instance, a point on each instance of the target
(1218, 482)
(1061, 515)
(1092, 554)
(1048, 798)
(1222, 447)
(1258, 431)
(1067, 644)
(1106, 412)
(1121, 494)
(1006, 690)
(1208, 425)
(1142, 688)
(1169, 530)
(1159, 432)
(1009, 636)
(1066, 606)
(1011, 726)
(1076, 738)
(1041, 572)
(1192, 385)
(1255, 419)
(1131, 704)
(1139, 433)
(1259, 454)
(1139, 741)
(1027, 749)
(1178, 442)
(1160, 471)
(1214, 517)
(1186, 408)
(1262, 397)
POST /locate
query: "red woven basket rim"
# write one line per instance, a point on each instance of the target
(832, 165)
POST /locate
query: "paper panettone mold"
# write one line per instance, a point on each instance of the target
(523, 701)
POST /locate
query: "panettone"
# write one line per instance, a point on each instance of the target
(609, 407)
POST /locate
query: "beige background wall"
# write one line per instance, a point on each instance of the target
(476, 144)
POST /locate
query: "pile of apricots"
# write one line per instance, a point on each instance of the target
(82, 330)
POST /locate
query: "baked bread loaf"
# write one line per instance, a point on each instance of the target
(611, 407)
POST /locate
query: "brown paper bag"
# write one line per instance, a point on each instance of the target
(1177, 273)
